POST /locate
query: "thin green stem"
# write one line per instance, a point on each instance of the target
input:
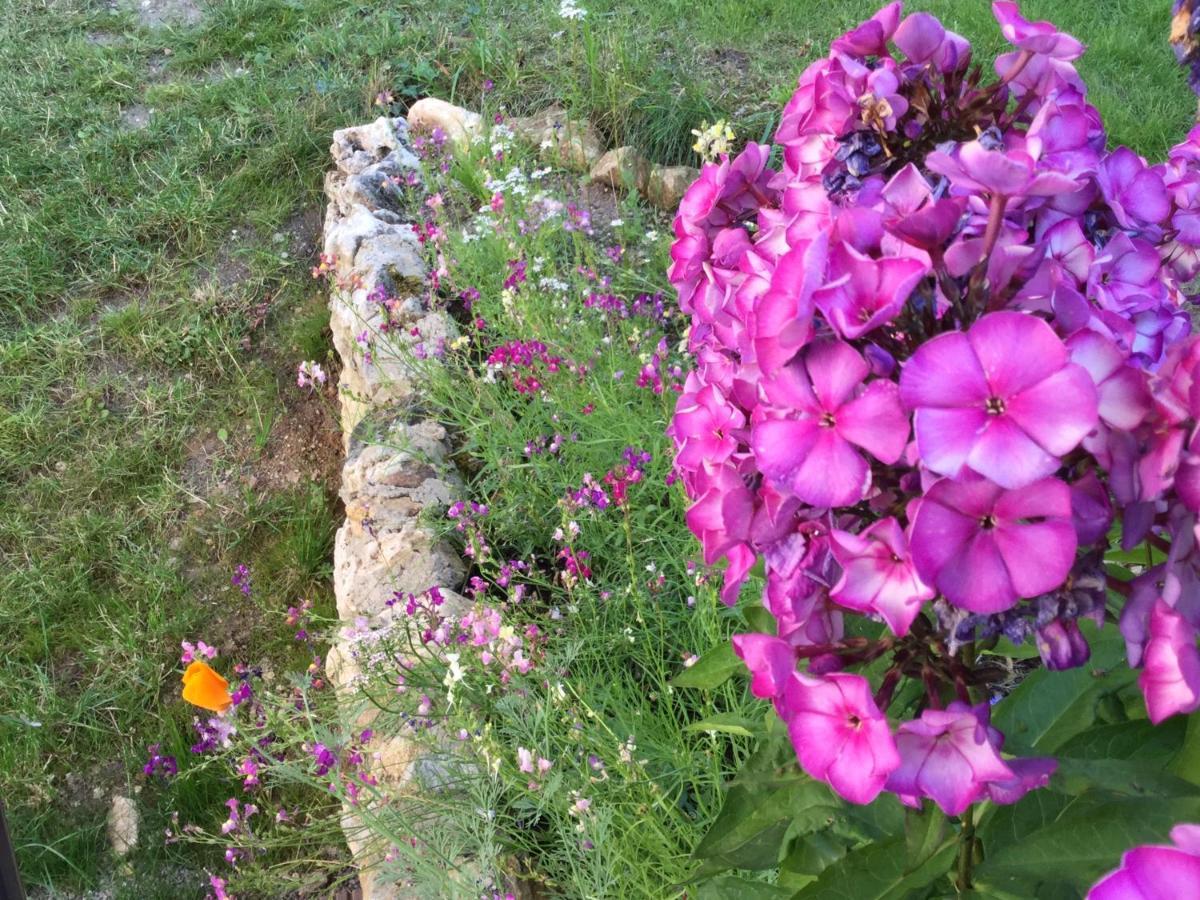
(966, 850)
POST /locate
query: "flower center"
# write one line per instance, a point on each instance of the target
(827, 420)
(853, 721)
(994, 406)
(987, 522)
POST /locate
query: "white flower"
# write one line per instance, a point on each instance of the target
(453, 676)
(568, 10)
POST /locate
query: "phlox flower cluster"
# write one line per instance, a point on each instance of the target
(939, 351)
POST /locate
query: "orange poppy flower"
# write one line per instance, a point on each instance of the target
(205, 688)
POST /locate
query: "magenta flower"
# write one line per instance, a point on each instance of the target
(1156, 872)
(1170, 679)
(1035, 37)
(1135, 192)
(920, 37)
(871, 37)
(917, 218)
(984, 547)
(782, 321)
(1002, 399)
(814, 454)
(1123, 397)
(703, 426)
(878, 575)
(863, 293)
(946, 755)
(771, 662)
(839, 734)
(972, 166)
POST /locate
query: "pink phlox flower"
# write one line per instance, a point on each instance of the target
(878, 574)
(871, 37)
(1170, 678)
(1155, 872)
(839, 734)
(1135, 192)
(771, 662)
(831, 414)
(1035, 37)
(1002, 399)
(984, 547)
(946, 755)
(862, 293)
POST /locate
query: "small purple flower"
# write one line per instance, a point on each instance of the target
(160, 763)
(241, 579)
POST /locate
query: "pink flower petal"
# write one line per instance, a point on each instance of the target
(876, 422)
(1016, 351)
(1057, 412)
(944, 373)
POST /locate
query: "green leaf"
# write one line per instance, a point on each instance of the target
(880, 819)
(749, 831)
(1126, 740)
(878, 872)
(760, 811)
(811, 855)
(730, 888)
(924, 833)
(1049, 708)
(1077, 842)
(1186, 763)
(1119, 776)
(729, 723)
(758, 619)
(1006, 648)
(711, 670)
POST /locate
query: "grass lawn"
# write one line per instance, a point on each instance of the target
(159, 199)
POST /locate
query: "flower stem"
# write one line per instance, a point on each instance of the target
(966, 849)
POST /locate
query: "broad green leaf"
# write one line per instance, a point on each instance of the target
(711, 670)
(758, 619)
(1002, 826)
(1082, 841)
(877, 872)
(730, 888)
(1049, 708)
(924, 833)
(760, 810)
(880, 819)
(1131, 778)
(1127, 740)
(811, 855)
(1186, 763)
(729, 723)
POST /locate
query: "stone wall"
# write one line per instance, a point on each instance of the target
(395, 459)
(394, 466)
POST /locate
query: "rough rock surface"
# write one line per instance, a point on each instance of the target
(667, 184)
(459, 124)
(395, 461)
(122, 823)
(576, 144)
(622, 169)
